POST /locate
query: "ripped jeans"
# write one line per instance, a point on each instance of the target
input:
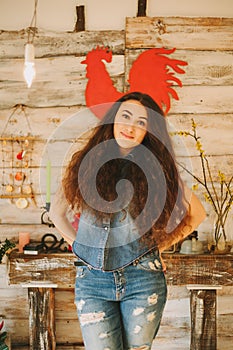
(121, 310)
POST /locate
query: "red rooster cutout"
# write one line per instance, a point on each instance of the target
(150, 73)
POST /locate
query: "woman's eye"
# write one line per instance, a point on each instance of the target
(125, 116)
(141, 123)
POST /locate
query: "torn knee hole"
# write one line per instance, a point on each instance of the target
(92, 317)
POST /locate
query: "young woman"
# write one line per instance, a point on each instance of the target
(133, 205)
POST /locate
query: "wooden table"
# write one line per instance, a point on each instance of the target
(41, 274)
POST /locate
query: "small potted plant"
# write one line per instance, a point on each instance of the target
(5, 247)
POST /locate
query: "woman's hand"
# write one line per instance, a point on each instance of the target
(58, 215)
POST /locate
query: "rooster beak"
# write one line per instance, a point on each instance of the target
(83, 62)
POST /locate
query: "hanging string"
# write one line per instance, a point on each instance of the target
(32, 28)
(9, 119)
(27, 120)
(22, 108)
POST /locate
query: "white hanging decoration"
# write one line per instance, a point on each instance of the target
(29, 64)
(29, 70)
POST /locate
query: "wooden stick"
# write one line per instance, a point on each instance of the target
(80, 24)
(142, 8)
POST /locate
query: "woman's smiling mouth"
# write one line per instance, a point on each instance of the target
(126, 135)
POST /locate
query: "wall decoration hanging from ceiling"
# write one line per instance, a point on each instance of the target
(153, 73)
(16, 159)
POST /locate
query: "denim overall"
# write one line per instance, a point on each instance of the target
(120, 289)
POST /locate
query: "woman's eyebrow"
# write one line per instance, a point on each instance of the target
(126, 110)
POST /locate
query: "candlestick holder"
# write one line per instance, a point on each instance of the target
(47, 206)
(45, 219)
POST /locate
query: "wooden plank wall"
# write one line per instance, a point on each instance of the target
(58, 93)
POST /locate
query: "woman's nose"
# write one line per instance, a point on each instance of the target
(130, 127)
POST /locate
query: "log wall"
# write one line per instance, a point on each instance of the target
(53, 105)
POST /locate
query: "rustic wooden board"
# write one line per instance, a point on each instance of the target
(186, 33)
(67, 332)
(52, 93)
(198, 99)
(41, 267)
(49, 43)
(43, 121)
(51, 125)
(37, 177)
(60, 80)
(71, 135)
(204, 67)
(65, 307)
(206, 269)
(207, 124)
(181, 269)
(36, 231)
(203, 99)
(66, 69)
(31, 216)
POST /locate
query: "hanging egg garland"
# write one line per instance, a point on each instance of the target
(17, 163)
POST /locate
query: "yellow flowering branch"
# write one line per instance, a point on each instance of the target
(222, 202)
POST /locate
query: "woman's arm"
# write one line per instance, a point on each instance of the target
(196, 210)
(57, 214)
(196, 214)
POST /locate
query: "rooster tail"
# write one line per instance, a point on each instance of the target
(151, 73)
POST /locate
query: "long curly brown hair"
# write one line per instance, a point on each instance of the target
(93, 177)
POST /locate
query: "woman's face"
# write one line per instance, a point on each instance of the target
(130, 125)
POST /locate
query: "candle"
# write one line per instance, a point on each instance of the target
(48, 181)
(24, 238)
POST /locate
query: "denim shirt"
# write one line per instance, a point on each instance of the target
(108, 245)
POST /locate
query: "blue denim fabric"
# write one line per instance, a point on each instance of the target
(106, 245)
(121, 310)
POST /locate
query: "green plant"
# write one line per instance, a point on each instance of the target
(4, 247)
(3, 336)
(219, 192)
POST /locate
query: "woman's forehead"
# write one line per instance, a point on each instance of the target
(134, 107)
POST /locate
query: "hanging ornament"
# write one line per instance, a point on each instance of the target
(21, 154)
(21, 203)
(9, 188)
(20, 176)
